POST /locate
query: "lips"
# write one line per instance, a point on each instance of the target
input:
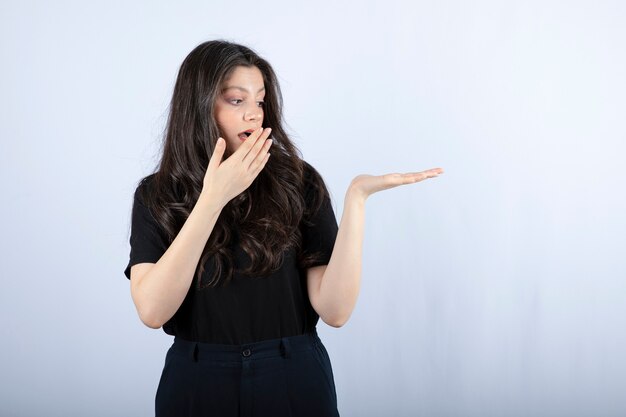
(245, 134)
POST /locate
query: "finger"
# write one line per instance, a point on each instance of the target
(261, 158)
(218, 153)
(256, 149)
(247, 144)
(393, 180)
(434, 172)
(423, 175)
(261, 164)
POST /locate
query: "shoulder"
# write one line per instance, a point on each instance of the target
(144, 188)
(311, 178)
(146, 207)
(316, 193)
(309, 172)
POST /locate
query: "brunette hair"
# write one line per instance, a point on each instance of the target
(264, 219)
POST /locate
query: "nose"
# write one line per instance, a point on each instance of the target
(254, 114)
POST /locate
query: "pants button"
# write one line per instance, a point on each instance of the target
(246, 352)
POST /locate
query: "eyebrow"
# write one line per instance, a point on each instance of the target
(242, 89)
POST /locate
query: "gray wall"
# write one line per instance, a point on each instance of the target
(496, 289)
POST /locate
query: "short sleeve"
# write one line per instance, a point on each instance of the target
(147, 243)
(320, 232)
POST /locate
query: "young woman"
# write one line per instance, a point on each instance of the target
(237, 253)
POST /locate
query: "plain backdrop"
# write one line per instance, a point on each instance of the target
(496, 289)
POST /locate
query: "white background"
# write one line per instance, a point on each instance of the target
(497, 289)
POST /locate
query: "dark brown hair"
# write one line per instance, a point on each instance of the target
(266, 217)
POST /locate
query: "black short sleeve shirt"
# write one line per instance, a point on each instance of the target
(248, 309)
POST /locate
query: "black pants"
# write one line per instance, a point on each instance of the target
(286, 377)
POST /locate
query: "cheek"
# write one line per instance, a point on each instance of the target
(227, 115)
(217, 118)
(224, 120)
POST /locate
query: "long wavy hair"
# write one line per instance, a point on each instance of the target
(264, 219)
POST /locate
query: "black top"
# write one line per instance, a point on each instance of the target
(247, 309)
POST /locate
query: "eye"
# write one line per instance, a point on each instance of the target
(261, 103)
(232, 101)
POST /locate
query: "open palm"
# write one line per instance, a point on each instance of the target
(367, 185)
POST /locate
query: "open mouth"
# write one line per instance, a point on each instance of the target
(246, 134)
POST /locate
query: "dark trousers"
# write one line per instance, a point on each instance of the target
(286, 377)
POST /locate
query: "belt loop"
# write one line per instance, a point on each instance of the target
(285, 347)
(194, 352)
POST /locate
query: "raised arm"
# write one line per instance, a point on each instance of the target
(334, 288)
(159, 289)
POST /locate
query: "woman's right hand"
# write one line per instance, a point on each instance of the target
(223, 181)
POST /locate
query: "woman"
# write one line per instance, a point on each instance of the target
(238, 254)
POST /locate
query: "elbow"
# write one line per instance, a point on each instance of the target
(149, 316)
(337, 319)
(150, 320)
(336, 322)
(151, 323)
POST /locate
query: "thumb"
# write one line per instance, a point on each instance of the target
(218, 152)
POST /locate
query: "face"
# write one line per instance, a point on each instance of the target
(239, 106)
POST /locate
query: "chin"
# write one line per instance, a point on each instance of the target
(232, 148)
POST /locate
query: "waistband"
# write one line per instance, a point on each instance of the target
(256, 350)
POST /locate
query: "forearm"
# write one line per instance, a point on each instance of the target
(159, 293)
(339, 288)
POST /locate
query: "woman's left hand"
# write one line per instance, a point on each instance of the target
(366, 185)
